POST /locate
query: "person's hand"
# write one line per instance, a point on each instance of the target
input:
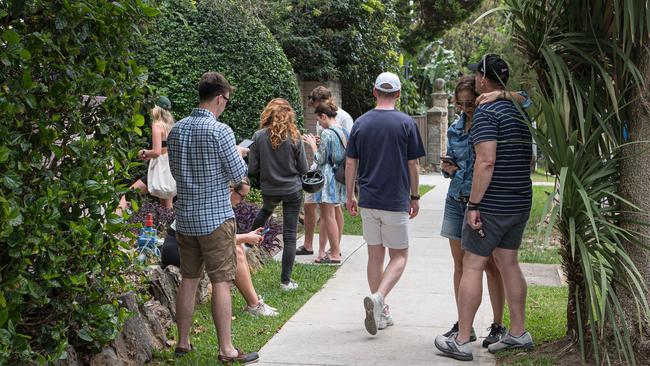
(253, 237)
(489, 97)
(243, 151)
(317, 140)
(310, 140)
(474, 219)
(143, 155)
(448, 168)
(352, 206)
(414, 208)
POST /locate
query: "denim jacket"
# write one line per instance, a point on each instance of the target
(460, 149)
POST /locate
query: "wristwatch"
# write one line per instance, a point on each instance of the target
(471, 206)
(415, 197)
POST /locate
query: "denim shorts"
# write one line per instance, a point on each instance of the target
(453, 219)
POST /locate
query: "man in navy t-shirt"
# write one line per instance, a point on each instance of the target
(384, 147)
(497, 212)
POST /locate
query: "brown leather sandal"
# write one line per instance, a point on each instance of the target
(244, 358)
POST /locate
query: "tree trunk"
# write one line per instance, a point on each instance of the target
(635, 186)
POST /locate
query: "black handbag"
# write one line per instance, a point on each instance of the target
(339, 169)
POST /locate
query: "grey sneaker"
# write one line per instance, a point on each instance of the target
(385, 319)
(454, 330)
(288, 286)
(524, 341)
(497, 331)
(449, 347)
(373, 305)
(261, 309)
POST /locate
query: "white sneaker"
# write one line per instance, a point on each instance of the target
(289, 286)
(373, 305)
(260, 298)
(385, 319)
(261, 309)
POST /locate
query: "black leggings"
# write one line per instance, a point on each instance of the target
(290, 210)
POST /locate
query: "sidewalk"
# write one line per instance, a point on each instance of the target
(329, 328)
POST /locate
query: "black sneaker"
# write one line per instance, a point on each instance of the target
(454, 329)
(497, 332)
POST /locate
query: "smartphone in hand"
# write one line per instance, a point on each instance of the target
(246, 143)
(448, 160)
(266, 230)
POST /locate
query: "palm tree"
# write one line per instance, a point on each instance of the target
(585, 55)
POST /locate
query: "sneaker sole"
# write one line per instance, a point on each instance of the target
(455, 356)
(370, 322)
(525, 347)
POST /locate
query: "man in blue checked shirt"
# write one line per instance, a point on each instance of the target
(204, 159)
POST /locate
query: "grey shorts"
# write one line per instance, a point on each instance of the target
(501, 231)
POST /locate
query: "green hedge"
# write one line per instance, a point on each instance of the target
(61, 256)
(222, 36)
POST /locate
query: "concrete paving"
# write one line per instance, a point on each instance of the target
(329, 330)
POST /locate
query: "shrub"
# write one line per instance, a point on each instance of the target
(219, 35)
(60, 156)
(245, 213)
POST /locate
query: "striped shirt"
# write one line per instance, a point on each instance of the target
(510, 191)
(203, 160)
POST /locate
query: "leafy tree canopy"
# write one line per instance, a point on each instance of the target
(422, 21)
(349, 40)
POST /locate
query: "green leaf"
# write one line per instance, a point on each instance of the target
(12, 180)
(11, 37)
(150, 11)
(4, 153)
(25, 54)
(85, 335)
(93, 186)
(138, 120)
(15, 217)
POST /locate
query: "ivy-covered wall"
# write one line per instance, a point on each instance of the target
(219, 35)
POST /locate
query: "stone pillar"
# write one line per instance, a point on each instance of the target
(306, 86)
(437, 122)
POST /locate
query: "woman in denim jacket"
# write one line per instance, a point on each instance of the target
(458, 165)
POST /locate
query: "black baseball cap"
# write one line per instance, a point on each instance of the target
(493, 67)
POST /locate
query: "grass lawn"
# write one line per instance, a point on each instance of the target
(250, 333)
(533, 250)
(540, 175)
(545, 320)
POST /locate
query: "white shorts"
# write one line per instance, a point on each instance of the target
(309, 198)
(388, 228)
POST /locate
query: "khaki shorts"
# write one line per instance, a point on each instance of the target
(387, 228)
(214, 252)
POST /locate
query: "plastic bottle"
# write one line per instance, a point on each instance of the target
(148, 239)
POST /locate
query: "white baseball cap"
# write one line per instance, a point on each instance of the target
(388, 82)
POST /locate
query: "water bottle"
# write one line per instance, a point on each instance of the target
(148, 240)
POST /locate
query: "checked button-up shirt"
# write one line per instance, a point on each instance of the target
(203, 160)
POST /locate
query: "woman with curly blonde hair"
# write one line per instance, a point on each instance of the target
(277, 155)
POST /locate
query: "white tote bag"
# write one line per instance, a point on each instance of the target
(160, 182)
